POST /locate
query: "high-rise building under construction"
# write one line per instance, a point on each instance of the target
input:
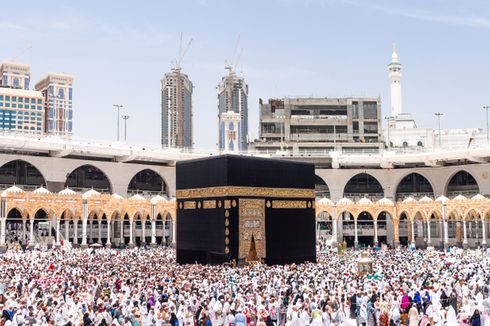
(233, 112)
(176, 110)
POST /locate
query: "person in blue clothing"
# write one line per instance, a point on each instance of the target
(240, 319)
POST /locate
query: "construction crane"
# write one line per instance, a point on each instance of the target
(23, 51)
(229, 80)
(182, 53)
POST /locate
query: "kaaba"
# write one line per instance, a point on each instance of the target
(245, 209)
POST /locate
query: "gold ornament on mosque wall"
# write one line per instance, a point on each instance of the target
(227, 250)
(233, 203)
(227, 231)
(227, 222)
(227, 241)
(180, 205)
(219, 203)
(268, 204)
(309, 204)
(227, 213)
(198, 204)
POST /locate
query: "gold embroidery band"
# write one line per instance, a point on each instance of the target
(245, 191)
(208, 204)
(189, 205)
(288, 204)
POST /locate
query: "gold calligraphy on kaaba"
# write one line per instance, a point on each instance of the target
(209, 204)
(289, 204)
(189, 205)
(239, 191)
(251, 228)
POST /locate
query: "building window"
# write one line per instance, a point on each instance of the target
(405, 144)
(420, 144)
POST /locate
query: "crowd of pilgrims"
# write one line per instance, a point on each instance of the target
(146, 287)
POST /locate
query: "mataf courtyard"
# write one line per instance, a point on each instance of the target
(74, 286)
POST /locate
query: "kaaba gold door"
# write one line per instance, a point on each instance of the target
(251, 228)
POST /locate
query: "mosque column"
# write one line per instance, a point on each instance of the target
(429, 241)
(143, 232)
(356, 240)
(484, 233)
(31, 233)
(67, 230)
(396, 233)
(412, 223)
(334, 227)
(465, 239)
(444, 223)
(90, 230)
(84, 223)
(99, 222)
(108, 242)
(153, 226)
(58, 222)
(375, 231)
(121, 235)
(174, 232)
(75, 232)
(3, 224)
(131, 244)
(24, 230)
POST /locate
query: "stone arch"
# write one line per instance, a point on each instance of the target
(15, 225)
(148, 182)
(461, 182)
(21, 173)
(471, 214)
(406, 213)
(67, 214)
(419, 215)
(321, 188)
(415, 185)
(363, 185)
(434, 213)
(87, 177)
(41, 212)
(24, 214)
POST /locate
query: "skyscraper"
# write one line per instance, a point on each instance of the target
(176, 110)
(15, 75)
(233, 98)
(21, 109)
(57, 90)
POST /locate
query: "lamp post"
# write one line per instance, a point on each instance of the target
(438, 115)
(118, 107)
(486, 107)
(388, 138)
(125, 118)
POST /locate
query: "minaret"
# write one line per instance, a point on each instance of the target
(395, 73)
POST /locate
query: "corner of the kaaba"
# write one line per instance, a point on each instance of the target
(245, 209)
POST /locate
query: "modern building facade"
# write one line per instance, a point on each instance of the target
(233, 98)
(21, 110)
(320, 125)
(15, 75)
(57, 91)
(176, 110)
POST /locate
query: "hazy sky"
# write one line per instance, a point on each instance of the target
(119, 51)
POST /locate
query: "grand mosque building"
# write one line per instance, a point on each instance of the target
(56, 191)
